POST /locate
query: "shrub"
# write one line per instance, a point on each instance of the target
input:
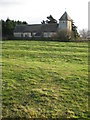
(64, 35)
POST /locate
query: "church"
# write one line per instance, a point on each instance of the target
(43, 30)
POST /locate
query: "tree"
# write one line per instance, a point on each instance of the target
(51, 20)
(24, 22)
(43, 22)
(63, 35)
(8, 27)
(84, 33)
(74, 30)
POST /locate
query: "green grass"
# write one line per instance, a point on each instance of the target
(44, 79)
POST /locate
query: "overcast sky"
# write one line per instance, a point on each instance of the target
(34, 11)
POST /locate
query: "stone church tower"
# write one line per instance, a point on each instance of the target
(65, 22)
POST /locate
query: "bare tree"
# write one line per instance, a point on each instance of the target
(84, 33)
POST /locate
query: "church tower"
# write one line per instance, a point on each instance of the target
(65, 22)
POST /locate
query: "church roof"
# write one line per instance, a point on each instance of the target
(65, 16)
(36, 28)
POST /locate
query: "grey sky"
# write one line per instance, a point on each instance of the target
(34, 11)
(8, 2)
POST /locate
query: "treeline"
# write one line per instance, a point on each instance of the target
(8, 27)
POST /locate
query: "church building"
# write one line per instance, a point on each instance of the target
(43, 30)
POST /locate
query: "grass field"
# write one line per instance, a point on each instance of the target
(44, 79)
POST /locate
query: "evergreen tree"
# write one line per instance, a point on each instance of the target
(8, 27)
(74, 30)
(43, 22)
(51, 20)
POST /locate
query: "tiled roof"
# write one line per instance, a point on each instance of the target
(49, 27)
(65, 16)
(37, 28)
